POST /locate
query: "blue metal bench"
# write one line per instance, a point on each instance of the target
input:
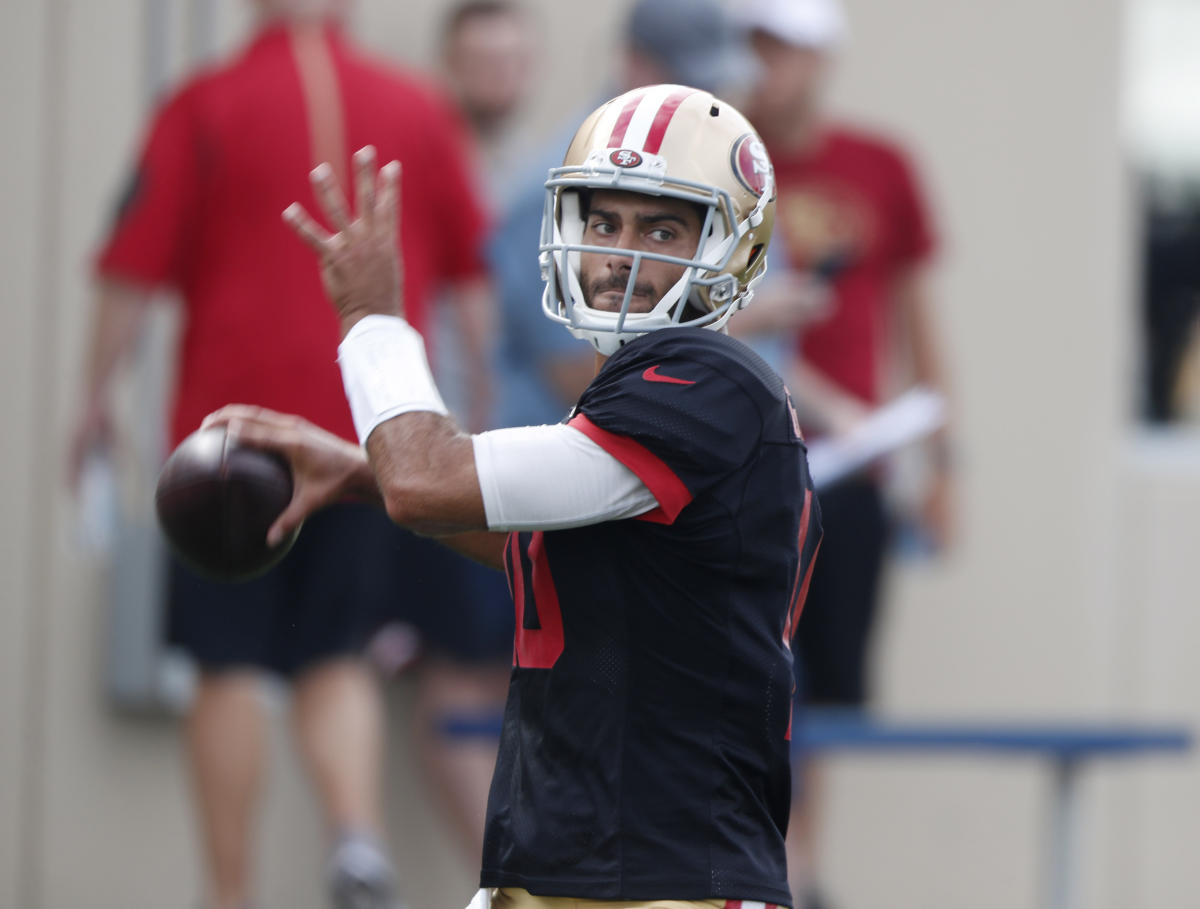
(1066, 747)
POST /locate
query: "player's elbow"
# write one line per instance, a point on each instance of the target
(407, 503)
(434, 492)
(419, 506)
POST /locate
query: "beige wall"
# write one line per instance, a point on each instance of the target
(1068, 596)
(21, 285)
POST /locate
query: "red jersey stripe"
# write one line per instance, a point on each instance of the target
(672, 495)
(657, 516)
(658, 129)
(623, 119)
(516, 576)
(798, 602)
(508, 548)
(789, 629)
(510, 544)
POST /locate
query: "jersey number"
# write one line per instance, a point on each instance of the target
(539, 638)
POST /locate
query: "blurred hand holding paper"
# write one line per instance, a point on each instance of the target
(909, 418)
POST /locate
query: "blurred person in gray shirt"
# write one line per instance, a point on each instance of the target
(541, 369)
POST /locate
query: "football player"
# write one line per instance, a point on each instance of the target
(658, 542)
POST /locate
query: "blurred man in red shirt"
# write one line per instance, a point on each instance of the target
(222, 157)
(852, 228)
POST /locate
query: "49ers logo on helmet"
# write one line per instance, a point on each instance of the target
(750, 163)
(625, 157)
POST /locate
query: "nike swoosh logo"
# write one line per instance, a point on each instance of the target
(652, 375)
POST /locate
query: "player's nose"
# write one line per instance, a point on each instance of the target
(619, 261)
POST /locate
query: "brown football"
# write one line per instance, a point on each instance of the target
(216, 500)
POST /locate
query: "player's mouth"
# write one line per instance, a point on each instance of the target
(608, 294)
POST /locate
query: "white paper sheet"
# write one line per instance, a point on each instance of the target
(907, 419)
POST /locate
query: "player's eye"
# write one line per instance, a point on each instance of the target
(662, 235)
(605, 228)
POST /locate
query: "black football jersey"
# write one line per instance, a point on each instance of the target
(645, 748)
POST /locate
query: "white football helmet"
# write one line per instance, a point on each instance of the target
(662, 140)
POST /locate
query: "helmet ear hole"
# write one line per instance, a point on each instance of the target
(755, 252)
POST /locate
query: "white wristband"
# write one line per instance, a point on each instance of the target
(385, 373)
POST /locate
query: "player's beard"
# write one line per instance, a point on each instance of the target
(593, 289)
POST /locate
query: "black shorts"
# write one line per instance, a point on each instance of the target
(350, 572)
(834, 631)
(462, 609)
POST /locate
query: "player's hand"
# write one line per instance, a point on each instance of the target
(360, 264)
(92, 431)
(325, 468)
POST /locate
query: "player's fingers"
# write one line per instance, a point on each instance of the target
(223, 415)
(259, 433)
(247, 413)
(288, 522)
(364, 182)
(387, 209)
(306, 228)
(329, 196)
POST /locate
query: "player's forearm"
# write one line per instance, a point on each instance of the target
(422, 463)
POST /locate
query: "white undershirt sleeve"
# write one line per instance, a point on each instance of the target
(552, 478)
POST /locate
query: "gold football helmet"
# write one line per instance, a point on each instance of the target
(662, 140)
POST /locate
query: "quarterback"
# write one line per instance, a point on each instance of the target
(657, 542)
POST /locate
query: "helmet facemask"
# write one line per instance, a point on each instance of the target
(706, 293)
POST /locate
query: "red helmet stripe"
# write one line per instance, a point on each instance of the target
(622, 124)
(658, 129)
